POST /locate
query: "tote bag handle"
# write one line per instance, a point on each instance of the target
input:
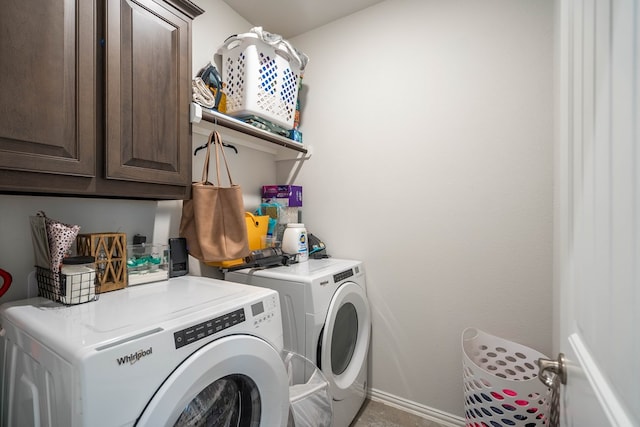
(217, 141)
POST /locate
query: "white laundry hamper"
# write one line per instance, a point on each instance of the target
(501, 385)
(259, 79)
(309, 398)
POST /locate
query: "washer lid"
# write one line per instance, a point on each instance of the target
(125, 312)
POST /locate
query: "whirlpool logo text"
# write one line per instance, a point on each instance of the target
(134, 357)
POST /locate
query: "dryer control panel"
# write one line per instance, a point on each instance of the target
(339, 277)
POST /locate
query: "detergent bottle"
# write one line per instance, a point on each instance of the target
(294, 241)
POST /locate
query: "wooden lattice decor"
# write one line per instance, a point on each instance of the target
(110, 252)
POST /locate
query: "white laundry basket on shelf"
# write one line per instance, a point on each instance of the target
(501, 385)
(309, 398)
(259, 79)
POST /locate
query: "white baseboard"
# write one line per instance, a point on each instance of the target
(416, 408)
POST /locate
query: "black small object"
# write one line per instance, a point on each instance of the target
(179, 265)
(262, 254)
(210, 76)
(139, 239)
(317, 248)
(78, 260)
(224, 144)
(267, 261)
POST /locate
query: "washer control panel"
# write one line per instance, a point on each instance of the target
(256, 315)
(264, 310)
(210, 327)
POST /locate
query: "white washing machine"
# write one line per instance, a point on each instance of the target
(326, 318)
(188, 351)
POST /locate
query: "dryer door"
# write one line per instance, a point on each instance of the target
(236, 380)
(345, 339)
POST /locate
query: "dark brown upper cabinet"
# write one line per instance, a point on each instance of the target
(148, 93)
(96, 98)
(48, 87)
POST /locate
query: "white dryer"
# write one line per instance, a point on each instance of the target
(326, 318)
(189, 351)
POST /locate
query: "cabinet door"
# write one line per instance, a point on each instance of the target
(148, 93)
(47, 86)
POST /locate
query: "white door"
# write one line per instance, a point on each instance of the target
(598, 211)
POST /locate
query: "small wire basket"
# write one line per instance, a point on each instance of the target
(68, 289)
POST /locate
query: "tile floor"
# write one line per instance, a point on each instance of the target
(376, 414)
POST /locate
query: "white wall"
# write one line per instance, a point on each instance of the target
(431, 126)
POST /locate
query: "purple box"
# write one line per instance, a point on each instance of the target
(286, 195)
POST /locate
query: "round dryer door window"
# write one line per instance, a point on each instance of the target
(345, 338)
(237, 380)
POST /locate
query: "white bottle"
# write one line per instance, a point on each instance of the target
(294, 241)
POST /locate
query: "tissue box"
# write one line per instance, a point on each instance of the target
(147, 262)
(285, 195)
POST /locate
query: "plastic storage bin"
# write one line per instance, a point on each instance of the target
(308, 393)
(259, 80)
(501, 385)
(147, 263)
